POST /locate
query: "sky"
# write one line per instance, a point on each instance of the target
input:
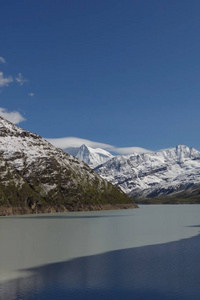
(118, 74)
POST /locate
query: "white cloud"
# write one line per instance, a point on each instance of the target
(12, 116)
(66, 142)
(2, 60)
(20, 79)
(76, 142)
(4, 81)
(31, 94)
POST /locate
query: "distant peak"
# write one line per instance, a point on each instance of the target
(84, 146)
(183, 148)
(180, 146)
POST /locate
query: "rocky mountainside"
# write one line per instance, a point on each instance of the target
(36, 176)
(92, 157)
(172, 173)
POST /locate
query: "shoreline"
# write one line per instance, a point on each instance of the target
(11, 211)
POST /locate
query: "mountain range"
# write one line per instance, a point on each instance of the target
(166, 176)
(35, 176)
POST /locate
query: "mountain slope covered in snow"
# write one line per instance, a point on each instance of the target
(169, 173)
(36, 176)
(92, 157)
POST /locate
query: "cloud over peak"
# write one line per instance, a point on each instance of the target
(12, 116)
(67, 142)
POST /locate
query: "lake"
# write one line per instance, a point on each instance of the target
(148, 253)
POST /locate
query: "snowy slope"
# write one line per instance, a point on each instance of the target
(92, 157)
(154, 174)
(50, 176)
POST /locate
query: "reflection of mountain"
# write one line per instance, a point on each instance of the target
(166, 271)
(36, 176)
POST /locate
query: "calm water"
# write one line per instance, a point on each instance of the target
(148, 253)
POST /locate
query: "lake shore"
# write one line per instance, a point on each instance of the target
(9, 211)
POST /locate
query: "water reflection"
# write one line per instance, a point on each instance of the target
(168, 271)
(32, 241)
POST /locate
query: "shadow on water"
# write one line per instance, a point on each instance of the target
(168, 271)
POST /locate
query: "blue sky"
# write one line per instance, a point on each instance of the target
(124, 73)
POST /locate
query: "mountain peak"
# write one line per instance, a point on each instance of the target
(180, 152)
(92, 157)
(84, 148)
(181, 147)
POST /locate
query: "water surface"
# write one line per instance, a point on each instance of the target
(153, 250)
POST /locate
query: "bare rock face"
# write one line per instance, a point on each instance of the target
(36, 175)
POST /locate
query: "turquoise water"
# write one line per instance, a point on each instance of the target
(147, 253)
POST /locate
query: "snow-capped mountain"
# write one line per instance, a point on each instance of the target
(36, 175)
(155, 174)
(92, 157)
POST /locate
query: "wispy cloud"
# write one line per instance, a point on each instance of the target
(20, 79)
(2, 60)
(31, 94)
(67, 142)
(12, 116)
(5, 81)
